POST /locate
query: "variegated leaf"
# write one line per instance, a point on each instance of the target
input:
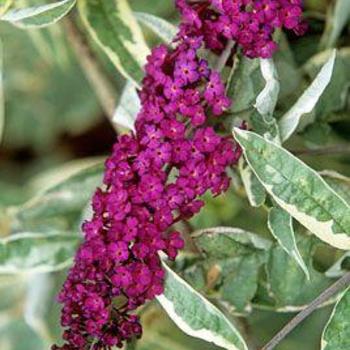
(255, 191)
(38, 16)
(280, 224)
(165, 30)
(336, 335)
(308, 100)
(128, 107)
(37, 252)
(113, 26)
(196, 316)
(298, 189)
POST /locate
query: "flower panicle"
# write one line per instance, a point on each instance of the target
(156, 176)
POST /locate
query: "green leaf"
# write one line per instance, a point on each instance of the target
(196, 316)
(335, 97)
(245, 85)
(230, 255)
(308, 100)
(263, 121)
(228, 242)
(298, 189)
(240, 285)
(268, 97)
(38, 16)
(160, 333)
(128, 108)
(281, 226)
(339, 183)
(35, 252)
(288, 284)
(70, 195)
(165, 30)
(336, 22)
(254, 189)
(336, 335)
(113, 26)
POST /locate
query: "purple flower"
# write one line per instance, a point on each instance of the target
(155, 176)
(206, 140)
(119, 251)
(121, 277)
(214, 87)
(151, 187)
(172, 89)
(186, 71)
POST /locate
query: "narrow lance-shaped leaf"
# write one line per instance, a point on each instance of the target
(280, 224)
(255, 191)
(308, 100)
(267, 99)
(339, 183)
(263, 120)
(196, 316)
(336, 335)
(228, 242)
(128, 107)
(336, 23)
(36, 252)
(113, 26)
(287, 283)
(165, 30)
(298, 189)
(70, 195)
(245, 84)
(38, 16)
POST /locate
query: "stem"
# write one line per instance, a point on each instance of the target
(332, 150)
(225, 55)
(328, 293)
(188, 229)
(248, 333)
(102, 87)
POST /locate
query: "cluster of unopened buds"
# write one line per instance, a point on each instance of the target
(156, 175)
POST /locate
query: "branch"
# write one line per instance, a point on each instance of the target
(225, 55)
(102, 87)
(326, 295)
(341, 149)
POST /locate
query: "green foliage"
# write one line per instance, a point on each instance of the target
(38, 16)
(288, 284)
(113, 26)
(298, 189)
(281, 226)
(307, 102)
(160, 27)
(33, 252)
(336, 333)
(128, 107)
(196, 316)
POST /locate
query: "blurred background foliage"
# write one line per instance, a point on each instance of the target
(55, 127)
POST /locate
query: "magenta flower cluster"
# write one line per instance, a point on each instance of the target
(249, 23)
(156, 175)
